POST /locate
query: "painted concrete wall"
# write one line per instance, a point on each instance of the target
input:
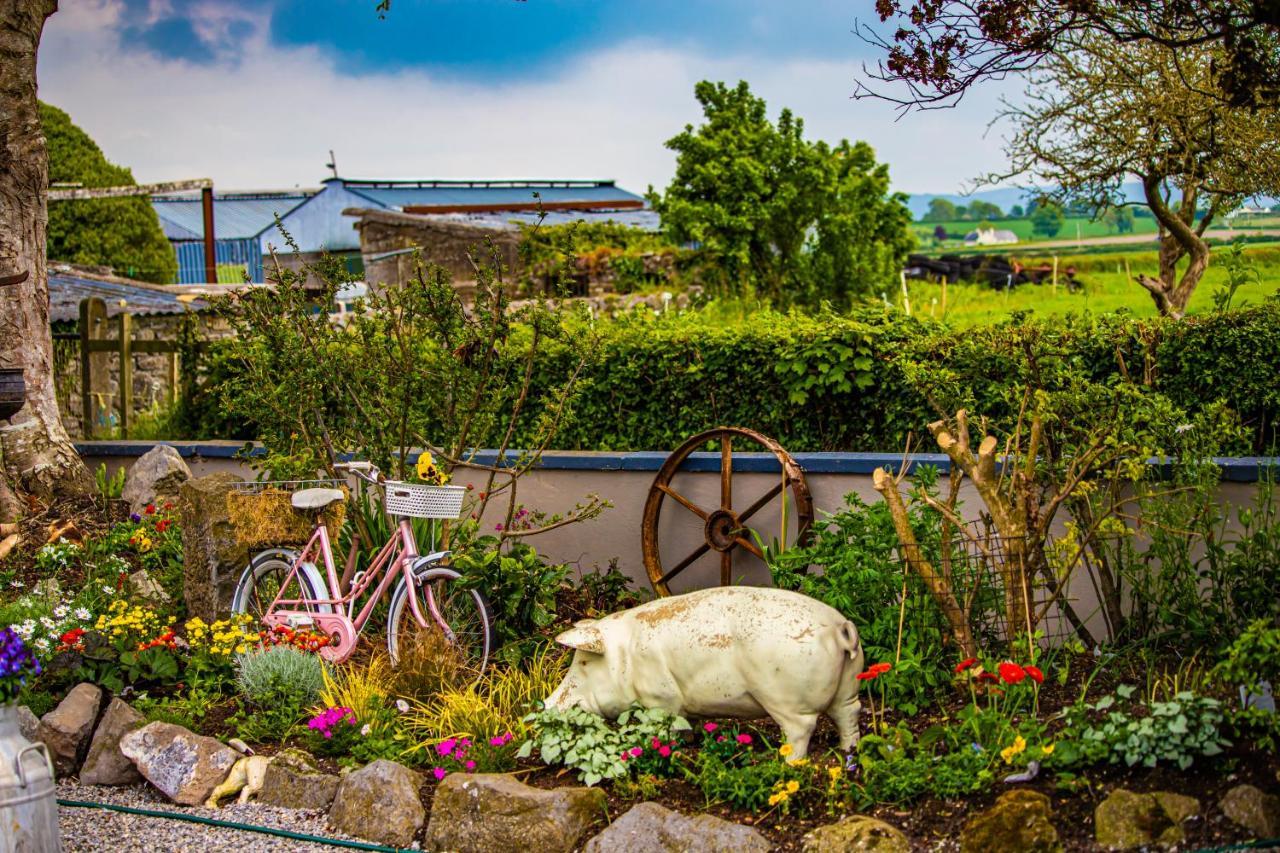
(625, 479)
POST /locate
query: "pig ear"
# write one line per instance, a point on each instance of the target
(583, 636)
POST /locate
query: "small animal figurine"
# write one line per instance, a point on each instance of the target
(724, 652)
(246, 776)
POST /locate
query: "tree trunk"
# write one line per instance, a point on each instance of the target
(1179, 238)
(36, 454)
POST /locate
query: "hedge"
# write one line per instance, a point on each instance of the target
(826, 382)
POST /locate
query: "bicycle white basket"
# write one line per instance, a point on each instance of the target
(420, 501)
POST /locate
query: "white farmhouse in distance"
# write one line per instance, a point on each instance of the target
(990, 237)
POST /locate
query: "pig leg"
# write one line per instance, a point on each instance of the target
(844, 711)
(797, 728)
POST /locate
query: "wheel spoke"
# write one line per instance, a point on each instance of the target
(726, 472)
(682, 500)
(747, 544)
(686, 562)
(760, 503)
(726, 567)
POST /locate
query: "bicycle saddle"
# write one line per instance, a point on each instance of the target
(316, 498)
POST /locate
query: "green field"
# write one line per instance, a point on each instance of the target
(1105, 288)
(1022, 227)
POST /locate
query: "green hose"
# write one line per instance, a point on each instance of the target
(228, 824)
(1266, 844)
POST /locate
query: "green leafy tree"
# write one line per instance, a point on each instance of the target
(122, 233)
(940, 210)
(1047, 218)
(985, 210)
(1016, 212)
(799, 221)
(1119, 219)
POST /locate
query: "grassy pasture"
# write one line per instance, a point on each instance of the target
(1022, 227)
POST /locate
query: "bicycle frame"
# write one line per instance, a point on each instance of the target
(393, 560)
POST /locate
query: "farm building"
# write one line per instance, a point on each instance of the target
(990, 237)
(245, 222)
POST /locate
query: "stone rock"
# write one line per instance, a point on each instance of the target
(1252, 808)
(48, 589)
(651, 828)
(155, 477)
(66, 729)
(143, 586)
(294, 782)
(1018, 822)
(494, 811)
(183, 765)
(106, 764)
(212, 558)
(28, 724)
(856, 833)
(380, 803)
(1127, 821)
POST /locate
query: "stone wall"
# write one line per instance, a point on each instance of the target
(385, 235)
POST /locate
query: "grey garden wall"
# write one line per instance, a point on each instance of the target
(625, 479)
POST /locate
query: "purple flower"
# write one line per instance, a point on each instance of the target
(439, 773)
(134, 517)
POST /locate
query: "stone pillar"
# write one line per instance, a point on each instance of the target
(213, 558)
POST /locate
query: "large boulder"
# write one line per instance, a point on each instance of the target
(155, 478)
(856, 833)
(1128, 821)
(293, 781)
(1019, 822)
(212, 557)
(651, 828)
(494, 811)
(183, 765)
(28, 724)
(66, 729)
(105, 763)
(147, 588)
(380, 803)
(1255, 810)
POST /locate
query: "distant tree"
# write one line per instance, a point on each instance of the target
(984, 210)
(940, 210)
(1275, 208)
(801, 221)
(1016, 212)
(940, 48)
(1047, 218)
(962, 211)
(1119, 219)
(1100, 114)
(122, 233)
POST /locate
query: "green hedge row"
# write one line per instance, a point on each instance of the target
(863, 382)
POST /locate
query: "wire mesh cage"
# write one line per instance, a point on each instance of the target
(262, 514)
(417, 500)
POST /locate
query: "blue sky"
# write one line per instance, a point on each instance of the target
(255, 92)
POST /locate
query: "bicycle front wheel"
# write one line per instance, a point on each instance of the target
(465, 619)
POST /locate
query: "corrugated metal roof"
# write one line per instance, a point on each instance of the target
(645, 220)
(67, 289)
(236, 216)
(401, 194)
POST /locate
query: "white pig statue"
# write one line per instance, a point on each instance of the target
(728, 651)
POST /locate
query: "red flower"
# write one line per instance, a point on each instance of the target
(965, 664)
(168, 504)
(1011, 673)
(163, 524)
(150, 510)
(1036, 675)
(875, 671)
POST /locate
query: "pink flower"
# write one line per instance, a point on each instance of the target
(439, 773)
(470, 765)
(625, 755)
(719, 738)
(664, 751)
(744, 739)
(655, 743)
(445, 747)
(637, 751)
(709, 727)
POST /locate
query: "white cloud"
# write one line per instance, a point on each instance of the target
(269, 119)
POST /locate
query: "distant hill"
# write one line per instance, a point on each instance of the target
(1007, 197)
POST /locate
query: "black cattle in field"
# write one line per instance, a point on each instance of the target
(997, 271)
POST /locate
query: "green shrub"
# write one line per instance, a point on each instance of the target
(521, 589)
(280, 671)
(587, 743)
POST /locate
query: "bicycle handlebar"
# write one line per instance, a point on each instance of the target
(366, 471)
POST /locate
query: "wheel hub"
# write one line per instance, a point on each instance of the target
(722, 529)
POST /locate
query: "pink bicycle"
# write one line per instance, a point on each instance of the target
(281, 587)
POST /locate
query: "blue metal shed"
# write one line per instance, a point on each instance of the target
(240, 221)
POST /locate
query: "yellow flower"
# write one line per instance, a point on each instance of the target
(1047, 750)
(793, 786)
(785, 750)
(834, 772)
(777, 798)
(1008, 753)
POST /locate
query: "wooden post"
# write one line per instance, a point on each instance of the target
(93, 313)
(126, 373)
(1055, 274)
(210, 244)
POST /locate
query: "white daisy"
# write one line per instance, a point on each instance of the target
(108, 589)
(17, 584)
(61, 611)
(48, 623)
(402, 706)
(365, 730)
(83, 614)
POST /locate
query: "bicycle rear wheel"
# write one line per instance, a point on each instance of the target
(261, 581)
(466, 615)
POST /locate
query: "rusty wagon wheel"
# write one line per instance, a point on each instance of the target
(725, 529)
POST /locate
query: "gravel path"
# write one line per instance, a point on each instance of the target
(85, 829)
